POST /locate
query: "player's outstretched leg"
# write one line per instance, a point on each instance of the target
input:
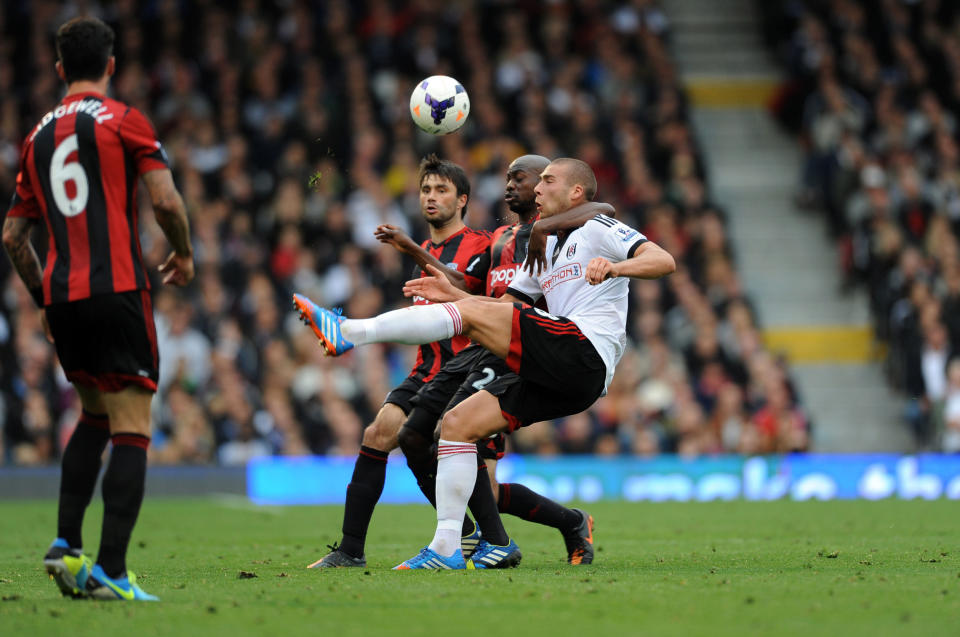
(415, 325)
(575, 525)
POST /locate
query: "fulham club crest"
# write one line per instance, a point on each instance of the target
(571, 250)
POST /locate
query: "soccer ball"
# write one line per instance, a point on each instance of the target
(439, 105)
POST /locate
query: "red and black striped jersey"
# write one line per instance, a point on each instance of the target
(466, 251)
(508, 250)
(78, 173)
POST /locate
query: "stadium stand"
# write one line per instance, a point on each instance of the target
(288, 131)
(874, 91)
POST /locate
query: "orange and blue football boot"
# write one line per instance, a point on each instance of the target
(324, 323)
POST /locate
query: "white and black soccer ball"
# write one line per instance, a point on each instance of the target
(439, 105)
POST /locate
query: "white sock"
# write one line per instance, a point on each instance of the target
(415, 325)
(456, 475)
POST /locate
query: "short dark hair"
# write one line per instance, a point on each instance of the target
(83, 46)
(579, 172)
(445, 169)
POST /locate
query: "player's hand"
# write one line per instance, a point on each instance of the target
(386, 233)
(599, 270)
(46, 326)
(178, 269)
(536, 261)
(436, 287)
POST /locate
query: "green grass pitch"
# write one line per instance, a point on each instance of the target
(734, 568)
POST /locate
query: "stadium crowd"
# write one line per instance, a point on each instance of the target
(875, 93)
(287, 128)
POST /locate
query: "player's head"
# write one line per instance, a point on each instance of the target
(84, 50)
(565, 183)
(444, 191)
(522, 176)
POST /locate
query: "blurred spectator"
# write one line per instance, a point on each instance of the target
(879, 84)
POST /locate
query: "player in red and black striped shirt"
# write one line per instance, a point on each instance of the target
(79, 170)
(444, 192)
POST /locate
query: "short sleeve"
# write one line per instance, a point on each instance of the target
(614, 240)
(475, 274)
(140, 140)
(525, 287)
(24, 202)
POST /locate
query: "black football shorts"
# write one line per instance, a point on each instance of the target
(108, 341)
(560, 371)
(402, 395)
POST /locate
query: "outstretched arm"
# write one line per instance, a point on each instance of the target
(396, 237)
(649, 261)
(171, 215)
(438, 289)
(16, 241)
(574, 218)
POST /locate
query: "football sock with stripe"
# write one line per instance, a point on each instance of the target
(123, 485)
(363, 493)
(80, 470)
(520, 501)
(456, 475)
(484, 509)
(421, 455)
(414, 325)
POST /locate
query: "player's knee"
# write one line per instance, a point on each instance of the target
(469, 308)
(380, 435)
(456, 426)
(413, 443)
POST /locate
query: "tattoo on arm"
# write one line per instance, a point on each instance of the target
(16, 241)
(169, 209)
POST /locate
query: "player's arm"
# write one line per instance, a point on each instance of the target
(438, 289)
(396, 237)
(536, 260)
(171, 215)
(16, 242)
(647, 261)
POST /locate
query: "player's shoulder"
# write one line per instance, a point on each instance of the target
(602, 220)
(502, 230)
(602, 224)
(477, 237)
(477, 232)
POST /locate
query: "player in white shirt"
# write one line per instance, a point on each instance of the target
(565, 359)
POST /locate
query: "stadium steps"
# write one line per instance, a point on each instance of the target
(786, 261)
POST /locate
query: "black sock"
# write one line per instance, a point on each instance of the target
(484, 509)
(81, 468)
(122, 488)
(421, 455)
(520, 501)
(363, 493)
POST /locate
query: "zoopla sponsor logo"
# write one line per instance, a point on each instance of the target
(505, 274)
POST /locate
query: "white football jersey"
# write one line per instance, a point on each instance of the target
(600, 311)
